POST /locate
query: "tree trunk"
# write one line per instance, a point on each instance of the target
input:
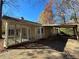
(1, 3)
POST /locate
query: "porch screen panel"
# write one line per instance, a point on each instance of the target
(18, 39)
(37, 33)
(3, 29)
(11, 31)
(18, 33)
(24, 34)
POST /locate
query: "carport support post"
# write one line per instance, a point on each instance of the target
(75, 32)
(6, 35)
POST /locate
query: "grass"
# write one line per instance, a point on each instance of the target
(68, 31)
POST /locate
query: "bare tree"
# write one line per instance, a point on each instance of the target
(71, 4)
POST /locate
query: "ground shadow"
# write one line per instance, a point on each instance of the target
(54, 41)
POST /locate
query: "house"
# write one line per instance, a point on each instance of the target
(16, 31)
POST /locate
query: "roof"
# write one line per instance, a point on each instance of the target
(19, 20)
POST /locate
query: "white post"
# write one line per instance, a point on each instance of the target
(6, 35)
(40, 32)
(21, 34)
(15, 34)
(28, 33)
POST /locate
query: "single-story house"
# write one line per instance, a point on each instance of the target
(16, 30)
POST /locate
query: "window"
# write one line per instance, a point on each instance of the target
(38, 30)
(17, 32)
(42, 30)
(3, 28)
(11, 32)
(24, 32)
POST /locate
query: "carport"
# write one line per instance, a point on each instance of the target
(55, 26)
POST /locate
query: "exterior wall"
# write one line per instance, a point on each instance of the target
(1, 45)
(49, 31)
(46, 32)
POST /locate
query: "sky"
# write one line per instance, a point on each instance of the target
(29, 9)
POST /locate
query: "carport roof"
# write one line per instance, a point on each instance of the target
(60, 25)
